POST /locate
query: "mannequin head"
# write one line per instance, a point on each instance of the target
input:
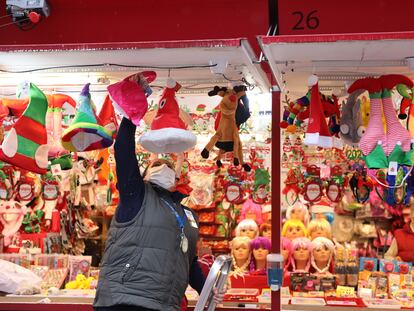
(286, 251)
(240, 251)
(247, 227)
(293, 229)
(260, 248)
(319, 228)
(300, 255)
(322, 250)
(266, 230)
(298, 211)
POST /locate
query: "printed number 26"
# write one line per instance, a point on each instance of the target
(312, 22)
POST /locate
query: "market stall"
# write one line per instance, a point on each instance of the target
(345, 215)
(64, 205)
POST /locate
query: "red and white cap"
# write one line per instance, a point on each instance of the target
(168, 132)
(318, 132)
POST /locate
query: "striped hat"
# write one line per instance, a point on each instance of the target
(25, 145)
(86, 133)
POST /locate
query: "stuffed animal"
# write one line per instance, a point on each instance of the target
(227, 136)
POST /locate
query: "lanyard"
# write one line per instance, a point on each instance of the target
(179, 219)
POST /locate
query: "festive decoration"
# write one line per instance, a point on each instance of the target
(108, 117)
(351, 127)
(129, 96)
(317, 132)
(25, 145)
(85, 133)
(227, 133)
(169, 132)
(11, 218)
(54, 122)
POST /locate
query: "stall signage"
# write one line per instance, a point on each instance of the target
(297, 17)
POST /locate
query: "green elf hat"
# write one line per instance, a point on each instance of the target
(25, 145)
(86, 133)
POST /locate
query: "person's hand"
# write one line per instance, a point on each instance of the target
(218, 296)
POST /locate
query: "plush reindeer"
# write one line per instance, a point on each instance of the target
(227, 133)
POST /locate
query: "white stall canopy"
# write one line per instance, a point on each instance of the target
(336, 59)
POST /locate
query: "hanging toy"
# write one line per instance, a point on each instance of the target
(50, 195)
(291, 112)
(54, 122)
(227, 136)
(6, 187)
(351, 127)
(25, 145)
(86, 133)
(168, 133)
(378, 147)
(407, 103)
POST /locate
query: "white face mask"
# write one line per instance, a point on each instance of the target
(162, 176)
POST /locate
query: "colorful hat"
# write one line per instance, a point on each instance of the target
(168, 132)
(129, 96)
(318, 132)
(25, 145)
(85, 133)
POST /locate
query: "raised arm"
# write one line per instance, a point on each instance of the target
(130, 183)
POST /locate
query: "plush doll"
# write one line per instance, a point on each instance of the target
(351, 127)
(227, 136)
(247, 227)
(241, 254)
(293, 229)
(298, 211)
(300, 255)
(11, 218)
(260, 248)
(319, 227)
(25, 145)
(86, 133)
(322, 252)
(54, 122)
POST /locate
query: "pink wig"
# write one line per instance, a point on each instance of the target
(250, 207)
(287, 245)
(300, 243)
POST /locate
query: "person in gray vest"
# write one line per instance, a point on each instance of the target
(150, 253)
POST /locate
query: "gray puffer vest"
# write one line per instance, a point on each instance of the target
(143, 264)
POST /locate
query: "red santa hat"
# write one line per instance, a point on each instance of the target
(318, 132)
(168, 132)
